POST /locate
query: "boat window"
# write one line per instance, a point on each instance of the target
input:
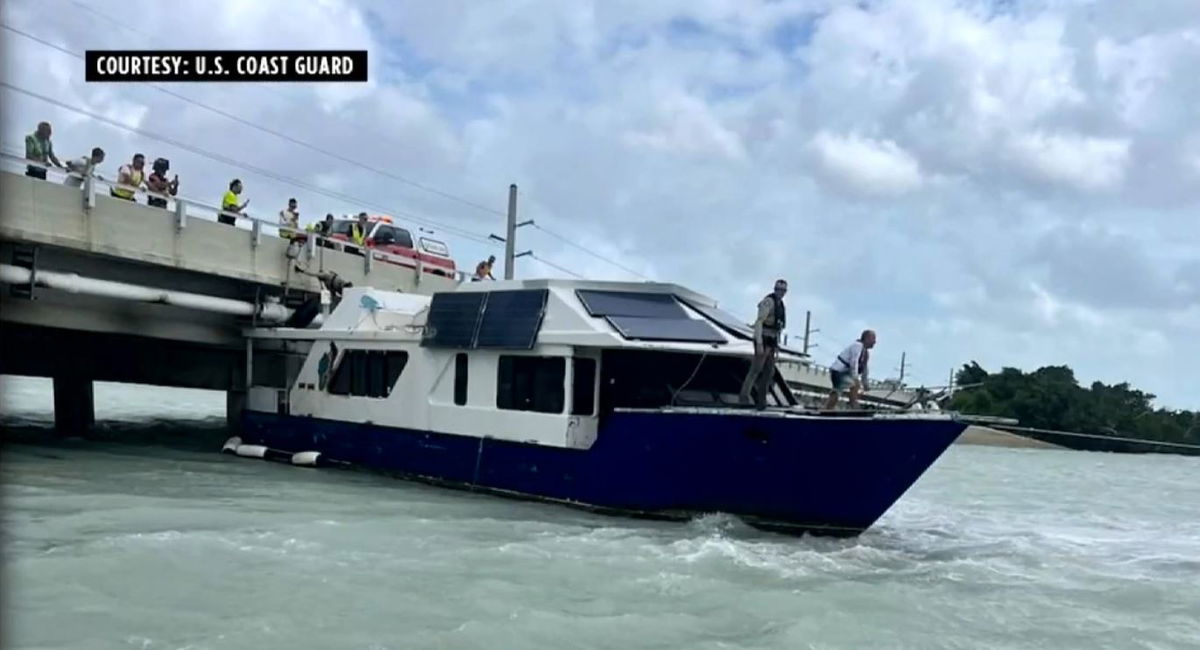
(583, 383)
(530, 383)
(368, 373)
(460, 378)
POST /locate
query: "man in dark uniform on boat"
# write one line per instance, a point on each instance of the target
(772, 318)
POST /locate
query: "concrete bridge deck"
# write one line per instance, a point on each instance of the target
(151, 295)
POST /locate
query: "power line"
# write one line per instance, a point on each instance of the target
(598, 256)
(251, 168)
(553, 265)
(270, 131)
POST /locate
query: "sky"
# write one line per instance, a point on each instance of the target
(1011, 182)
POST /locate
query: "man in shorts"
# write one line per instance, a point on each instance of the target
(849, 370)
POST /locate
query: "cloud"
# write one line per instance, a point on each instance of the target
(1082, 163)
(863, 166)
(687, 126)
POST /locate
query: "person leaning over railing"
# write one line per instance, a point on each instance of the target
(130, 178)
(83, 167)
(38, 147)
(289, 220)
(158, 183)
(322, 230)
(229, 205)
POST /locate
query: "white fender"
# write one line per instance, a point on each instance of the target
(306, 458)
(251, 451)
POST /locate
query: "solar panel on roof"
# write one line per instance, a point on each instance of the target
(511, 319)
(723, 319)
(630, 303)
(665, 329)
(454, 319)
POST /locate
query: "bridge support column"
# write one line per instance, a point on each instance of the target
(74, 406)
(235, 403)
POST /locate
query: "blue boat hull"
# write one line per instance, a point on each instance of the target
(833, 476)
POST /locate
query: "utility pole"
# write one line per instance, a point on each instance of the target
(510, 240)
(902, 359)
(510, 237)
(808, 331)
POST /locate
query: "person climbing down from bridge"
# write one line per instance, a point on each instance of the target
(289, 220)
(130, 177)
(322, 229)
(483, 270)
(158, 183)
(849, 370)
(772, 318)
(38, 147)
(229, 205)
(83, 167)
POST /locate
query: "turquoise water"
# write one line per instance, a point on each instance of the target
(162, 542)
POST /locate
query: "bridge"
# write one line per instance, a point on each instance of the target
(98, 288)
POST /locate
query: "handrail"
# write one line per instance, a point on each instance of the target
(181, 205)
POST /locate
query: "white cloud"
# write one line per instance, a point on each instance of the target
(863, 166)
(1079, 162)
(687, 126)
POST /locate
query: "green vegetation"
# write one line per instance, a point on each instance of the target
(1051, 398)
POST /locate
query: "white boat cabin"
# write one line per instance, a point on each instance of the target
(537, 361)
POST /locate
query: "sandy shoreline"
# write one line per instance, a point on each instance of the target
(977, 435)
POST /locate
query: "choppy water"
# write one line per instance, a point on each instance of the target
(164, 543)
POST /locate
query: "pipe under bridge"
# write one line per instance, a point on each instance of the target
(97, 288)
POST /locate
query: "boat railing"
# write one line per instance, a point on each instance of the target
(183, 209)
(872, 385)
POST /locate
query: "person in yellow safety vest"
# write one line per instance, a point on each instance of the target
(229, 204)
(130, 176)
(38, 147)
(360, 229)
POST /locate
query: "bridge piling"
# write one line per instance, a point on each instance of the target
(74, 405)
(235, 404)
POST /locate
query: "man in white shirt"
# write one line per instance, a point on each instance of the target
(83, 167)
(849, 370)
(289, 218)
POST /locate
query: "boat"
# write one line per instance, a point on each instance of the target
(617, 397)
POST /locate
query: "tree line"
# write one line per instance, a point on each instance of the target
(1051, 398)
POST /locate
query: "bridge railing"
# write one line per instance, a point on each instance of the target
(184, 208)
